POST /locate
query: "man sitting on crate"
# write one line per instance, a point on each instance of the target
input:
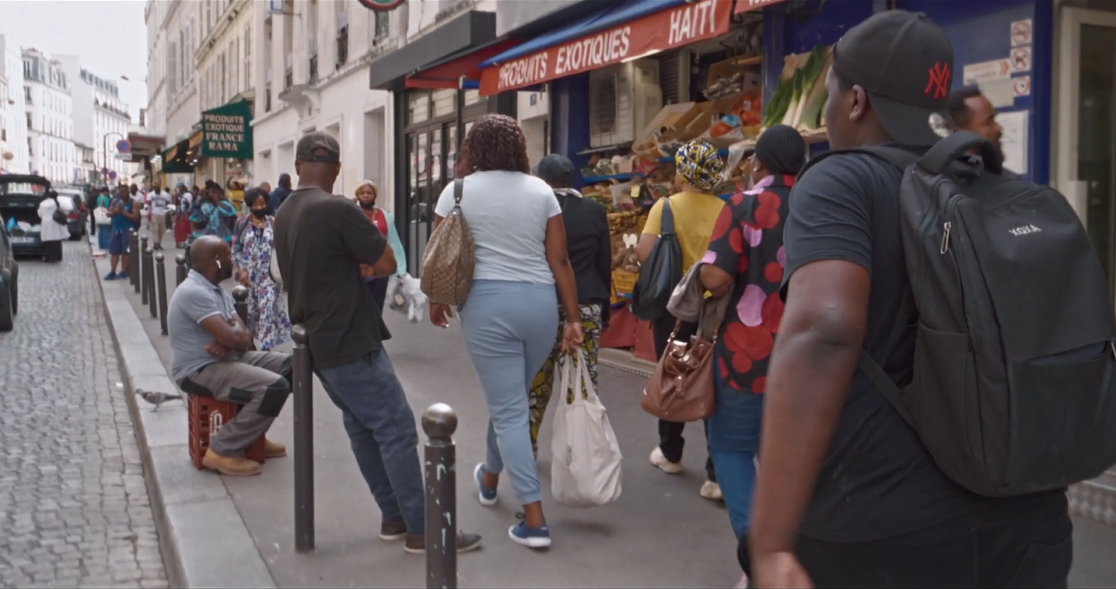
(211, 357)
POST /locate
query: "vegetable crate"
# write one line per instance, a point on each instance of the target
(206, 416)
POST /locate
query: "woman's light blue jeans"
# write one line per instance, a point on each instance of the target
(734, 436)
(509, 330)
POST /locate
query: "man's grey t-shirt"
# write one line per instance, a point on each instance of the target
(195, 300)
(507, 213)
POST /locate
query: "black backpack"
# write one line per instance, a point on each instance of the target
(1014, 383)
(660, 273)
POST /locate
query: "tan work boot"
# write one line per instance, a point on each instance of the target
(274, 450)
(230, 465)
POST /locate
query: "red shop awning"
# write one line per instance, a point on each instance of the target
(746, 5)
(675, 27)
(449, 72)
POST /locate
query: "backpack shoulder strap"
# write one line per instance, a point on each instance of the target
(894, 155)
(668, 218)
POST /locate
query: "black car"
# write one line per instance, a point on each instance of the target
(9, 280)
(20, 195)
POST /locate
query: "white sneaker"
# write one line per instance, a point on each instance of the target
(711, 491)
(664, 465)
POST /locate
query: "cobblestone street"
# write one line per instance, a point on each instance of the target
(74, 509)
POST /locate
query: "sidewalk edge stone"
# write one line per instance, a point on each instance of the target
(195, 553)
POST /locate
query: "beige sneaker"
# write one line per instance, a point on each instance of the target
(664, 465)
(274, 450)
(711, 491)
(230, 466)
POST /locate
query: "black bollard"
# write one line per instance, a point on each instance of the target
(145, 257)
(439, 422)
(240, 302)
(133, 269)
(149, 280)
(161, 288)
(303, 390)
(179, 269)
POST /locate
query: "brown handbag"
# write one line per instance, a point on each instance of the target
(681, 388)
(449, 257)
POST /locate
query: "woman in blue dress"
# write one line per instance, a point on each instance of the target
(252, 241)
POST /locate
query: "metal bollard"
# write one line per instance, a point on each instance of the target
(149, 280)
(439, 422)
(161, 288)
(179, 269)
(133, 268)
(303, 385)
(145, 257)
(240, 302)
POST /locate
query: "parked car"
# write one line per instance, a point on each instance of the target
(20, 195)
(9, 281)
(79, 217)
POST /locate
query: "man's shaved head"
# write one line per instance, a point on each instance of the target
(211, 257)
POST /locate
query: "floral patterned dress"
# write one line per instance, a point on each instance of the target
(267, 318)
(747, 243)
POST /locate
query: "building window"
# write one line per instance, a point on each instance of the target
(30, 127)
(248, 83)
(313, 75)
(342, 46)
(382, 28)
(27, 94)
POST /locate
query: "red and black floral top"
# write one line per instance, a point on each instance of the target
(747, 243)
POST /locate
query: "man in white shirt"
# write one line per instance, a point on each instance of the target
(157, 201)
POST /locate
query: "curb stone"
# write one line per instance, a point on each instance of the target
(203, 539)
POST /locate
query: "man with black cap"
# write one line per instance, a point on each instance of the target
(322, 245)
(847, 495)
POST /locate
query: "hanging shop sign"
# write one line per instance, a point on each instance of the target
(682, 25)
(746, 5)
(227, 131)
(380, 4)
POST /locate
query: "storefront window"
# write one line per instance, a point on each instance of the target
(444, 102)
(418, 107)
(473, 97)
(1096, 96)
(435, 165)
(451, 153)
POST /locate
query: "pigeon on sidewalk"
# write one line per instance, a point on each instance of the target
(157, 399)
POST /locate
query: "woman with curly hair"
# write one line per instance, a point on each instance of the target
(511, 314)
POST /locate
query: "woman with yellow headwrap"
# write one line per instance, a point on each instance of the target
(365, 197)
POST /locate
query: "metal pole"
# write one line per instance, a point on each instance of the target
(179, 269)
(133, 259)
(149, 279)
(439, 422)
(145, 288)
(161, 288)
(303, 441)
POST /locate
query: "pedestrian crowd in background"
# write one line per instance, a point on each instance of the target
(789, 316)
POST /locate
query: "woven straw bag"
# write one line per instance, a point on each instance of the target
(449, 257)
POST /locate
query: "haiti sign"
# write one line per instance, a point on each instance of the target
(380, 4)
(227, 131)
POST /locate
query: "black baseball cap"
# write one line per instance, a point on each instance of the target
(905, 63)
(313, 141)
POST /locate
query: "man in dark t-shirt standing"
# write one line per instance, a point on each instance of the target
(323, 245)
(847, 495)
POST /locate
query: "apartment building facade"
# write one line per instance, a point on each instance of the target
(49, 108)
(100, 121)
(14, 149)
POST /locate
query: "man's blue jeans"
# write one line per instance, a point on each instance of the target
(734, 436)
(382, 433)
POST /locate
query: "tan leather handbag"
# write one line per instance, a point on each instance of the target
(449, 257)
(681, 388)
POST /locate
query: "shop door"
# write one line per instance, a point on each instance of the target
(427, 176)
(1086, 148)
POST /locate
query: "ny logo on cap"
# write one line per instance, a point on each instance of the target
(938, 82)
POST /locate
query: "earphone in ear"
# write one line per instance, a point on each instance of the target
(218, 264)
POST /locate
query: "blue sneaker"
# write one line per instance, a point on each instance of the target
(487, 497)
(529, 537)
(122, 276)
(111, 276)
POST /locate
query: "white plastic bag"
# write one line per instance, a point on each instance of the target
(405, 296)
(101, 216)
(585, 468)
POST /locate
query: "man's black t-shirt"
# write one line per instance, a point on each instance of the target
(320, 242)
(878, 481)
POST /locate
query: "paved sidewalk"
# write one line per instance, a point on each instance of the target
(660, 533)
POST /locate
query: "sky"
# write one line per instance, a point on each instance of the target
(109, 36)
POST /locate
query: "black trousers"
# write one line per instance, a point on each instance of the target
(52, 251)
(671, 441)
(1029, 548)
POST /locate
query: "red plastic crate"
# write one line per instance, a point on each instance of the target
(206, 416)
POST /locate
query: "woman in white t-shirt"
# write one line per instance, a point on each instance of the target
(511, 314)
